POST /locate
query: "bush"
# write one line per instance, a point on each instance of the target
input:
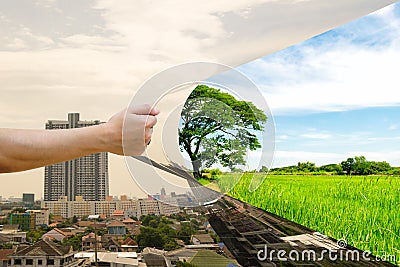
(211, 174)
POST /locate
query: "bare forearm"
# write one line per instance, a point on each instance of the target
(28, 149)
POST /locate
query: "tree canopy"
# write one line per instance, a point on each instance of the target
(357, 165)
(218, 128)
(360, 165)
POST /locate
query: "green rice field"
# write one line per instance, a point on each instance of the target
(364, 211)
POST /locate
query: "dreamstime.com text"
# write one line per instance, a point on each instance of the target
(340, 254)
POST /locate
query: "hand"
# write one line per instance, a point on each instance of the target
(135, 125)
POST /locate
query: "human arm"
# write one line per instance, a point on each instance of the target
(23, 149)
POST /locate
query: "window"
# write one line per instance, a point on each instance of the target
(40, 262)
(17, 262)
(29, 262)
(50, 262)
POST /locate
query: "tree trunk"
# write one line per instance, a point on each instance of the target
(196, 168)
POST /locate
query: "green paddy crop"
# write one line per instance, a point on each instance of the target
(364, 211)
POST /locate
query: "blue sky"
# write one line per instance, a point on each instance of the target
(336, 95)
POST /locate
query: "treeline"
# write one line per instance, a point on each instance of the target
(358, 165)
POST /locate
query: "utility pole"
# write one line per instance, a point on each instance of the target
(95, 243)
(95, 217)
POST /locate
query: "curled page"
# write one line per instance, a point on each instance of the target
(162, 171)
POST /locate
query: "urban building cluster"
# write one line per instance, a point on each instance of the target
(129, 207)
(114, 240)
(30, 219)
(79, 224)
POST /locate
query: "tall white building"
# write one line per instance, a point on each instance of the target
(86, 176)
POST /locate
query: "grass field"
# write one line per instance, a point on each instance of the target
(365, 211)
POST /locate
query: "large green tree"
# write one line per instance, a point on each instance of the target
(218, 128)
(361, 166)
(348, 166)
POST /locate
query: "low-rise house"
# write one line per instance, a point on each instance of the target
(118, 244)
(4, 260)
(71, 231)
(5, 239)
(181, 254)
(129, 245)
(91, 224)
(201, 239)
(130, 221)
(12, 234)
(154, 257)
(43, 253)
(118, 214)
(109, 243)
(89, 242)
(57, 218)
(11, 228)
(85, 223)
(112, 259)
(55, 234)
(116, 228)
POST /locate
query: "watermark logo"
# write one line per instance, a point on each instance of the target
(342, 243)
(342, 253)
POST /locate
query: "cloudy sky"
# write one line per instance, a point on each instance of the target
(333, 95)
(336, 95)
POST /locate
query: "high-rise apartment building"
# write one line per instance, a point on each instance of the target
(86, 176)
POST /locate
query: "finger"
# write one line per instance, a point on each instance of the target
(148, 121)
(147, 141)
(148, 135)
(151, 121)
(143, 110)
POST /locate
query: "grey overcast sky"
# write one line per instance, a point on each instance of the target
(90, 56)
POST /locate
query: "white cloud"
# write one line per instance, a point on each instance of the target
(94, 42)
(16, 44)
(50, 4)
(335, 73)
(282, 137)
(316, 135)
(384, 12)
(343, 78)
(392, 138)
(25, 39)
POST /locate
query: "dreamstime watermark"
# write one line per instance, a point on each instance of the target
(339, 254)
